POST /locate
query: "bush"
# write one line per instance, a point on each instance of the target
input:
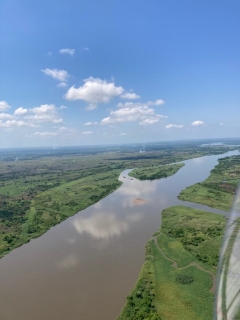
(184, 279)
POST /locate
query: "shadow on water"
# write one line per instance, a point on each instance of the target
(85, 267)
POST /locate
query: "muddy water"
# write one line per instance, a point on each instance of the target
(85, 267)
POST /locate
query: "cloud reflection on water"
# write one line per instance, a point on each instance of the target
(105, 225)
(68, 262)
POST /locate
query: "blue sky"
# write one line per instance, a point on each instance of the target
(98, 72)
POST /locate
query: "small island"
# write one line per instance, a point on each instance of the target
(155, 172)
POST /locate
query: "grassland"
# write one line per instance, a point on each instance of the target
(180, 264)
(219, 188)
(155, 172)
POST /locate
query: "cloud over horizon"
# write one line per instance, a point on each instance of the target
(94, 91)
(169, 126)
(135, 112)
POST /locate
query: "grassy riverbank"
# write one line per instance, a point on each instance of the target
(181, 263)
(219, 188)
(155, 172)
(30, 209)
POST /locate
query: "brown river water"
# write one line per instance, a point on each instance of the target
(83, 268)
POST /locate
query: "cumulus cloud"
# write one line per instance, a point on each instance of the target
(88, 123)
(20, 111)
(130, 96)
(63, 107)
(6, 116)
(87, 132)
(57, 74)
(151, 120)
(94, 91)
(67, 51)
(45, 113)
(197, 123)
(62, 85)
(45, 134)
(4, 105)
(15, 123)
(169, 126)
(131, 112)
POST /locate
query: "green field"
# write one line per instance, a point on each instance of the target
(155, 172)
(219, 188)
(181, 264)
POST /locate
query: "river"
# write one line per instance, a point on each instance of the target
(83, 268)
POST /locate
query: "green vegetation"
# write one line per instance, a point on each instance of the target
(140, 303)
(219, 188)
(195, 231)
(155, 172)
(181, 264)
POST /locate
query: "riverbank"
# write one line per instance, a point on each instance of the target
(180, 263)
(219, 188)
(155, 172)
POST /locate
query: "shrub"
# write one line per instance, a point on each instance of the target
(184, 279)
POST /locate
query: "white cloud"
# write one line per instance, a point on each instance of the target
(45, 134)
(20, 111)
(49, 53)
(221, 123)
(4, 106)
(197, 123)
(123, 134)
(45, 113)
(87, 132)
(169, 126)
(62, 85)
(88, 123)
(63, 107)
(15, 123)
(86, 49)
(130, 96)
(67, 51)
(91, 106)
(131, 112)
(158, 102)
(151, 120)
(56, 74)
(6, 116)
(94, 91)
(134, 104)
